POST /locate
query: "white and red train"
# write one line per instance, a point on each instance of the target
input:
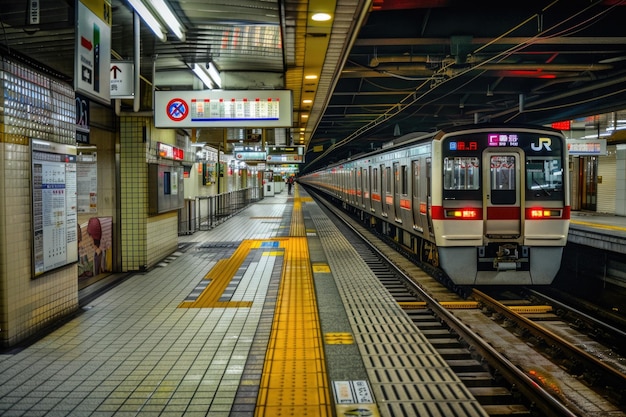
(487, 204)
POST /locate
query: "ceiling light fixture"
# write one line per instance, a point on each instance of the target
(155, 14)
(321, 17)
(307, 101)
(202, 73)
(169, 18)
(148, 19)
(215, 75)
(310, 77)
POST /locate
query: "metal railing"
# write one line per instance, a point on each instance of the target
(206, 212)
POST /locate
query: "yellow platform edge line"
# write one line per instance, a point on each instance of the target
(598, 225)
(294, 379)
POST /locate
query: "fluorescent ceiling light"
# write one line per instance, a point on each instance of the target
(167, 16)
(215, 75)
(163, 14)
(203, 75)
(148, 19)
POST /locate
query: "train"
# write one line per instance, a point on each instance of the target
(488, 204)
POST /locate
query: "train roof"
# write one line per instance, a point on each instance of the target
(416, 137)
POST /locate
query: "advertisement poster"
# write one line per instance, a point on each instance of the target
(95, 241)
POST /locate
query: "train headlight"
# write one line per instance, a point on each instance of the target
(542, 213)
(466, 213)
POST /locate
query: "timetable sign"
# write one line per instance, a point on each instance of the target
(223, 108)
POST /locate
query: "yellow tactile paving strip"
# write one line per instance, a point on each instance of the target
(294, 381)
(220, 276)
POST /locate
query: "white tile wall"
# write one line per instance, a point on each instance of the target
(28, 305)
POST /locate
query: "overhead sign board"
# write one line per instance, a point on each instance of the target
(92, 55)
(586, 146)
(285, 154)
(223, 108)
(122, 79)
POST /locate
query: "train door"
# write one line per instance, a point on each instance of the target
(501, 193)
(418, 205)
(398, 190)
(429, 198)
(365, 186)
(385, 184)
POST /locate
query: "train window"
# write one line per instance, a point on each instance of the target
(404, 180)
(375, 180)
(503, 182)
(365, 184)
(461, 173)
(544, 177)
(416, 177)
(502, 172)
(388, 180)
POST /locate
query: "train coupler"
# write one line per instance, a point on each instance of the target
(507, 258)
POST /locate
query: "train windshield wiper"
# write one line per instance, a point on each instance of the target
(541, 187)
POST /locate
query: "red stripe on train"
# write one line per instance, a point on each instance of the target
(503, 213)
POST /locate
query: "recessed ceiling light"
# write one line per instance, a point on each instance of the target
(307, 101)
(310, 77)
(304, 116)
(321, 17)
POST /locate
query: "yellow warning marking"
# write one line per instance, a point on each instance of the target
(459, 305)
(296, 228)
(294, 381)
(598, 225)
(530, 309)
(408, 305)
(223, 272)
(338, 338)
(322, 268)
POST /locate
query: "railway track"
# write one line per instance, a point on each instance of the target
(499, 382)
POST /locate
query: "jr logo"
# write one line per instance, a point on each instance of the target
(543, 143)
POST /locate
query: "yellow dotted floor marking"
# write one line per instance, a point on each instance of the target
(294, 381)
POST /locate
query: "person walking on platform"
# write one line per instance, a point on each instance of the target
(289, 184)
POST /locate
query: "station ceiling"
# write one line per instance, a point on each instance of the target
(385, 68)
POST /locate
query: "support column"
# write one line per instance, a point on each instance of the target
(620, 180)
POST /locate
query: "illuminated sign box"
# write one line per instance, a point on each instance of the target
(285, 154)
(170, 152)
(586, 146)
(223, 108)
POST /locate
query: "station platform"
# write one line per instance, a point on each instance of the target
(271, 313)
(597, 230)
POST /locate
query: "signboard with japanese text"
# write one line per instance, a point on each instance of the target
(223, 108)
(122, 80)
(92, 56)
(586, 146)
(55, 216)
